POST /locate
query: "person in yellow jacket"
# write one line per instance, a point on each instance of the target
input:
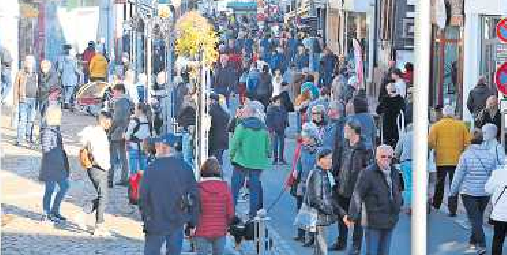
(449, 138)
(98, 67)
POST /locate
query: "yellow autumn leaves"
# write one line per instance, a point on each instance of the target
(192, 31)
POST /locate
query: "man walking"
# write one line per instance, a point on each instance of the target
(218, 134)
(476, 101)
(449, 138)
(121, 116)
(378, 188)
(355, 159)
(169, 198)
(98, 67)
(25, 93)
(94, 139)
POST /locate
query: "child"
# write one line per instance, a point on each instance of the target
(277, 120)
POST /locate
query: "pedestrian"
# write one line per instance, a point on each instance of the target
(475, 166)
(241, 88)
(98, 67)
(277, 81)
(48, 83)
(329, 59)
(302, 59)
(218, 134)
(138, 131)
(88, 54)
(54, 168)
(67, 69)
(121, 115)
(490, 142)
(358, 110)
(264, 89)
(354, 160)
(477, 98)
(95, 140)
(496, 186)
(376, 203)
(491, 114)
(277, 120)
(449, 138)
(390, 108)
(25, 91)
(320, 197)
(403, 152)
(217, 210)
(399, 83)
(386, 80)
(253, 81)
(169, 198)
(250, 150)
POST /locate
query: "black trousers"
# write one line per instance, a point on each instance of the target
(99, 181)
(343, 230)
(499, 230)
(438, 197)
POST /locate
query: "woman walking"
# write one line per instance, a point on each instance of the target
(497, 186)
(54, 166)
(473, 171)
(217, 210)
(403, 152)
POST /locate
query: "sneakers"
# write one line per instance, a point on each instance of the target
(57, 217)
(101, 230)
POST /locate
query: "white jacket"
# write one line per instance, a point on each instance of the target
(495, 185)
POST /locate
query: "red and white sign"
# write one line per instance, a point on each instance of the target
(501, 78)
(501, 30)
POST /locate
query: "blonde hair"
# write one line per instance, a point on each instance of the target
(54, 115)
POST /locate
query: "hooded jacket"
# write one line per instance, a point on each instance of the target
(218, 134)
(381, 203)
(98, 66)
(355, 159)
(477, 98)
(449, 138)
(169, 196)
(489, 132)
(250, 146)
(217, 208)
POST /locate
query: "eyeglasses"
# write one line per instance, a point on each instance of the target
(386, 156)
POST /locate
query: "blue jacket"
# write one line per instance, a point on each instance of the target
(169, 196)
(293, 46)
(249, 45)
(253, 80)
(277, 118)
(265, 44)
(278, 61)
(54, 164)
(368, 128)
(302, 61)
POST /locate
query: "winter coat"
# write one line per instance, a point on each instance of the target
(250, 146)
(496, 185)
(47, 82)
(403, 150)
(218, 134)
(390, 108)
(308, 160)
(143, 130)
(265, 87)
(169, 196)
(25, 86)
(449, 138)
(121, 116)
(302, 61)
(368, 128)
(54, 163)
(381, 204)
(278, 61)
(67, 67)
(98, 66)
(354, 160)
(253, 81)
(320, 196)
(338, 143)
(491, 143)
(225, 77)
(187, 114)
(477, 98)
(217, 208)
(277, 119)
(475, 167)
(496, 119)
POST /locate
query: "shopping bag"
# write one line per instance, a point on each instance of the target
(134, 183)
(306, 218)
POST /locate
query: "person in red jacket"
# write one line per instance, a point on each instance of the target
(88, 54)
(217, 210)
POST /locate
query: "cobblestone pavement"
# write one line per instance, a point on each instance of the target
(21, 196)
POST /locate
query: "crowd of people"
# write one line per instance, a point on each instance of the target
(342, 172)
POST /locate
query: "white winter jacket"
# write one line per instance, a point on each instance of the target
(495, 185)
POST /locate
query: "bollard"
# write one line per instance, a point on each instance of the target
(261, 235)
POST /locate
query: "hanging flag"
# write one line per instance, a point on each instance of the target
(358, 60)
(440, 13)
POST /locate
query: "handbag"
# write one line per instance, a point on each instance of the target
(307, 216)
(490, 220)
(85, 157)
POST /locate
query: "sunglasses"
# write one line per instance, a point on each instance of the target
(386, 156)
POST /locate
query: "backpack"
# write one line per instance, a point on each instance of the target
(136, 129)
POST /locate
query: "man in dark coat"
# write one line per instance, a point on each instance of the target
(378, 189)
(225, 78)
(218, 134)
(265, 87)
(354, 160)
(169, 198)
(390, 108)
(476, 101)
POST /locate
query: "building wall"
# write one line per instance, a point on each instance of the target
(9, 17)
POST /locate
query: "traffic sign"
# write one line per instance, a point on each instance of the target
(501, 30)
(501, 78)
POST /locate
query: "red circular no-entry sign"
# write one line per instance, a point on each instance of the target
(501, 78)
(501, 30)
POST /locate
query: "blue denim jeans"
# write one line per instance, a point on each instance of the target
(475, 207)
(377, 241)
(278, 146)
(118, 156)
(406, 169)
(217, 245)
(254, 187)
(63, 186)
(25, 120)
(173, 243)
(137, 158)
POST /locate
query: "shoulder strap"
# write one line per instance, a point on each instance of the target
(501, 194)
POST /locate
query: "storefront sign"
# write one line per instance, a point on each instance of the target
(501, 78)
(501, 30)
